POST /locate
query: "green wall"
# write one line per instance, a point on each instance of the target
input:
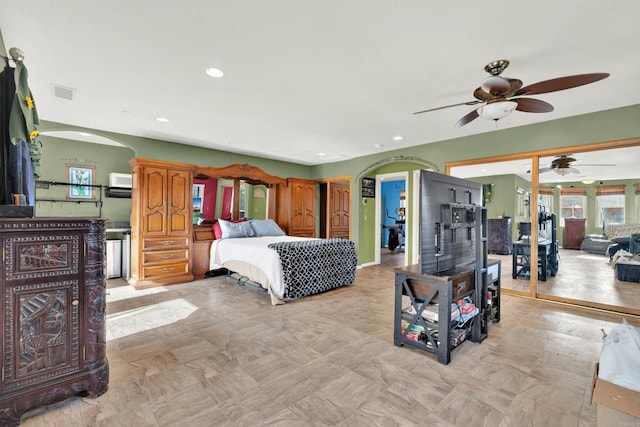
(57, 154)
(608, 125)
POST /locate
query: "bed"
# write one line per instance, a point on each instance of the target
(286, 267)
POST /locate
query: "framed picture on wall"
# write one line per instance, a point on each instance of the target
(81, 181)
(368, 187)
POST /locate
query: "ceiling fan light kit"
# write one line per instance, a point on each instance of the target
(496, 93)
(497, 110)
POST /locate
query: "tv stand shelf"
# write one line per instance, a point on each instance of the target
(422, 290)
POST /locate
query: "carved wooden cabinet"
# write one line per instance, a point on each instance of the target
(161, 222)
(499, 236)
(297, 207)
(53, 312)
(573, 233)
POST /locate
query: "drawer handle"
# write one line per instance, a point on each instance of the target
(167, 269)
(166, 256)
(166, 242)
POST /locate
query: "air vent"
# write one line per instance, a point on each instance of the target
(63, 92)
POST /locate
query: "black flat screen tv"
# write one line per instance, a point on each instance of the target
(449, 209)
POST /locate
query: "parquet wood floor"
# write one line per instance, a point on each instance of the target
(212, 353)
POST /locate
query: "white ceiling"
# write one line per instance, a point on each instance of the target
(304, 77)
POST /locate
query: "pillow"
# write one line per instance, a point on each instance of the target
(232, 230)
(621, 239)
(266, 227)
(217, 232)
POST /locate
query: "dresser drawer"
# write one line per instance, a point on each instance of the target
(462, 284)
(165, 256)
(165, 243)
(165, 270)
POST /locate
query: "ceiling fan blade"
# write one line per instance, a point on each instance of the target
(545, 169)
(531, 105)
(468, 118)
(448, 106)
(560, 83)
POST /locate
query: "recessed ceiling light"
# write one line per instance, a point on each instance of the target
(84, 134)
(398, 138)
(214, 72)
(321, 154)
(588, 181)
(162, 119)
(378, 145)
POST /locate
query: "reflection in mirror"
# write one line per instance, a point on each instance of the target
(198, 201)
(595, 196)
(252, 201)
(206, 190)
(510, 186)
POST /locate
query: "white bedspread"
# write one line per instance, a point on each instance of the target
(250, 253)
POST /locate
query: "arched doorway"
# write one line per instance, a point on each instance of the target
(371, 212)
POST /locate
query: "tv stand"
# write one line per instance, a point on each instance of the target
(423, 290)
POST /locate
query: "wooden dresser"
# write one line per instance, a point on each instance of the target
(53, 312)
(573, 233)
(297, 207)
(161, 223)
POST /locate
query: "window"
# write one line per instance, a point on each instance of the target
(572, 203)
(610, 201)
(545, 200)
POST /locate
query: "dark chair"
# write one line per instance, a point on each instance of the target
(524, 229)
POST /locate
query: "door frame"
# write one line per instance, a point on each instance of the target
(394, 176)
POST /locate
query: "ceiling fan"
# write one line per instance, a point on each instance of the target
(563, 165)
(496, 93)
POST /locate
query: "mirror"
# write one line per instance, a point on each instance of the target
(598, 186)
(198, 202)
(252, 203)
(255, 188)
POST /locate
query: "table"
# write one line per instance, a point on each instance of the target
(547, 262)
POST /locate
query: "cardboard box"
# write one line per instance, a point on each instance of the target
(615, 405)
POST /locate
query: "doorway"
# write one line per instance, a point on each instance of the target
(392, 208)
(335, 208)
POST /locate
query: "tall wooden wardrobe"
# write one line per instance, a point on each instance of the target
(161, 222)
(297, 207)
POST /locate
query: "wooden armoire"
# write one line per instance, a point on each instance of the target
(297, 207)
(161, 222)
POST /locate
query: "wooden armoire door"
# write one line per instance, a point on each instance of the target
(154, 201)
(303, 208)
(179, 203)
(339, 210)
